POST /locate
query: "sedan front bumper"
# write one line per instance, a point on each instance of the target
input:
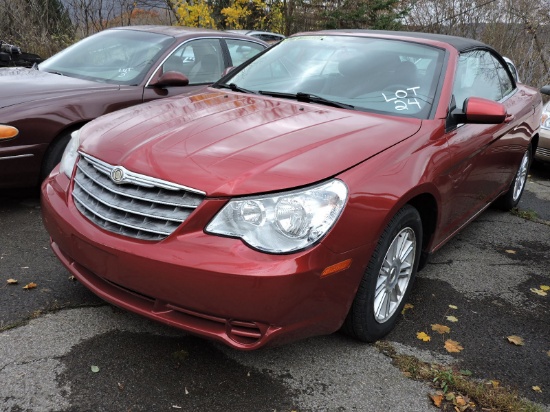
(208, 285)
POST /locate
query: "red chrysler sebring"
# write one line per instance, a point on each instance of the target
(298, 195)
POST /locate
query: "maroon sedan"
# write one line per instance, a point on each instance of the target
(300, 193)
(110, 70)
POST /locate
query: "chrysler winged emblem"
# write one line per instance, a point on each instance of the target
(117, 174)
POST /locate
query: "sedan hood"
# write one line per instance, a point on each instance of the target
(228, 144)
(20, 85)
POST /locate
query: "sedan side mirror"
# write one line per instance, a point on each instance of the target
(545, 90)
(171, 79)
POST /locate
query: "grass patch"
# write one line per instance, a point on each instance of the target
(453, 384)
(524, 214)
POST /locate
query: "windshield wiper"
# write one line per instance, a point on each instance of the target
(54, 72)
(308, 98)
(234, 87)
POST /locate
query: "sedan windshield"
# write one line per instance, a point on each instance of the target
(369, 74)
(112, 56)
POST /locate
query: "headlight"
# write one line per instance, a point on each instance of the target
(70, 154)
(545, 119)
(283, 222)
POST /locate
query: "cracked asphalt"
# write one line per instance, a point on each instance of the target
(50, 336)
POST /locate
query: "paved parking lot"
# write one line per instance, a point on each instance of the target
(52, 335)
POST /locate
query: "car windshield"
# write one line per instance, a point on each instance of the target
(112, 56)
(369, 74)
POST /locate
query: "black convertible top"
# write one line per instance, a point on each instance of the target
(462, 44)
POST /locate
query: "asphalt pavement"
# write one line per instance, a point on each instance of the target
(63, 349)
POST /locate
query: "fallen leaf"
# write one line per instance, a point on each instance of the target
(548, 353)
(510, 251)
(436, 399)
(466, 372)
(423, 336)
(453, 307)
(452, 319)
(12, 282)
(440, 328)
(31, 285)
(459, 401)
(453, 346)
(516, 340)
(406, 307)
(537, 389)
(546, 288)
(94, 368)
(72, 278)
(539, 292)
(186, 391)
(176, 407)
(120, 386)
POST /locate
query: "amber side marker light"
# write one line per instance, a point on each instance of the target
(338, 267)
(8, 132)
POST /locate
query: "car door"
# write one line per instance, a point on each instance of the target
(483, 156)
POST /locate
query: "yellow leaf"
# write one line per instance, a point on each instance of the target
(12, 282)
(423, 336)
(539, 292)
(440, 328)
(516, 340)
(453, 346)
(453, 307)
(546, 288)
(406, 307)
(31, 285)
(495, 384)
(548, 353)
(512, 252)
(452, 319)
(537, 389)
(436, 399)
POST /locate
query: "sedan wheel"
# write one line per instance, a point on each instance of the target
(395, 274)
(511, 198)
(388, 278)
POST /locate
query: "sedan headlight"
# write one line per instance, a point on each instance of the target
(283, 222)
(545, 118)
(70, 154)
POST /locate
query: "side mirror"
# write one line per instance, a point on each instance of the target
(170, 78)
(483, 111)
(545, 90)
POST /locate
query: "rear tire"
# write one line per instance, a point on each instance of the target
(511, 198)
(53, 154)
(388, 279)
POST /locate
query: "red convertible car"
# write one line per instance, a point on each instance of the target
(298, 195)
(110, 70)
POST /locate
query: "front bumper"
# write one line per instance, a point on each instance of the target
(211, 286)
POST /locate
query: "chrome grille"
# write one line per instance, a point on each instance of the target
(141, 207)
(541, 151)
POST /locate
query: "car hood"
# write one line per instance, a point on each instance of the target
(21, 85)
(228, 144)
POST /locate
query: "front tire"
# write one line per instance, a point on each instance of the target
(53, 154)
(388, 279)
(511, 198)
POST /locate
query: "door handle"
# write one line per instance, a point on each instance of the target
(509, 118)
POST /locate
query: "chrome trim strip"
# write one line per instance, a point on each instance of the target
(16, 156)
(139, 179)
